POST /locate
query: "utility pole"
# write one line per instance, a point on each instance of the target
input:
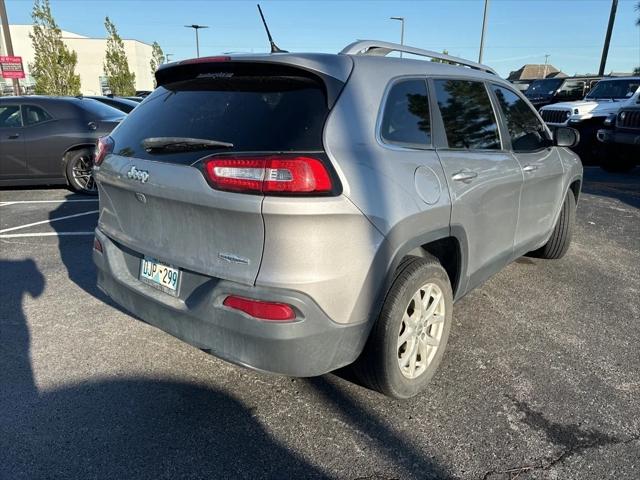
(196, 28)
(166, 57)
(401, 20)
(546, 61)
(607, 38)
(484, 29)
(7, 42)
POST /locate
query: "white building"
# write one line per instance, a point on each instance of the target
(91, 53)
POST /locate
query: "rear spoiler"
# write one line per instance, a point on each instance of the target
(332, 70)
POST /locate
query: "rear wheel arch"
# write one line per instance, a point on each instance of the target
(448, 252)
(71, 150)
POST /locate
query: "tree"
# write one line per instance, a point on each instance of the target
(157, 59)
(120, 79)
(437, 60)
(53, 67)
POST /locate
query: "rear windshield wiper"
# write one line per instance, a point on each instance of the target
(182, 144)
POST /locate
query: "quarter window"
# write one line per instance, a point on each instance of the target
(34, 115)
(406, 120)
(526, 131)
(468, 117)
(10, 116)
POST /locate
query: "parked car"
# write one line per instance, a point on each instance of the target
(521, 85)
(51, 140)
(142, 93)
(587, 116)
(553, 90)
(296, 213)
(621, 135)
(123, 104)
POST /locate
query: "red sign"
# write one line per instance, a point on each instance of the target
(11, 67)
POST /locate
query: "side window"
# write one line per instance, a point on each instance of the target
(33, 115)
(572, 89)
(526, 131)
(406, 119)
(10, 116)
(468, 117)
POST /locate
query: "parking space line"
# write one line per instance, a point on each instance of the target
(48, 221)
(76, 200)
(45, 234)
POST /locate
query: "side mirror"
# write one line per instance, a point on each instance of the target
(566, 137)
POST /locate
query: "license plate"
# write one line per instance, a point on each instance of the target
(163, 277)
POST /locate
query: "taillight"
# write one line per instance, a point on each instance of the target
(103, 146)
(275, 312)
(217, 59)
(269, 175)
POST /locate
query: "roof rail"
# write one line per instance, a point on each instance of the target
(377, 48)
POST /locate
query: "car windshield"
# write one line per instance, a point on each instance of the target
(543, 87)
(614, 89)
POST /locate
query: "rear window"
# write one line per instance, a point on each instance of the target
(255, 112)
(99, 110)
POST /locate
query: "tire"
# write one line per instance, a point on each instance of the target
(560, 240)
(78, 164)
(379, 366)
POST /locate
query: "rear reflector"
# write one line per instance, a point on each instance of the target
(269, 175)
(97, 246)
(103, 147)
(275, 312)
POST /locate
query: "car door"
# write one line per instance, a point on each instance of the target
(484, 179)
(542, 170)
(13, 161)
(42, 142)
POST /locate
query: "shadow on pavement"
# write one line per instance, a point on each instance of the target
(125, 428)
(620, 186)
(396, 447)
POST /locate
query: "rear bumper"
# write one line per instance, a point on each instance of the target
(613, 136)
(310, 346)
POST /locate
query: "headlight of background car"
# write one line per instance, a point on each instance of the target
(610, 120)
(567, 114)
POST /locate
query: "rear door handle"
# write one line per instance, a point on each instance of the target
(530, 168)
(464, 176)
(13, 136)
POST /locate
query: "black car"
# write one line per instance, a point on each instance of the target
(123, 104)
(621, 136)
(546, 91)
(51, 140)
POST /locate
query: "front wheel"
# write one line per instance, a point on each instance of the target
(409, 338)
(78, 168)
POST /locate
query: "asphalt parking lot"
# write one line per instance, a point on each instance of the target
(541, 379)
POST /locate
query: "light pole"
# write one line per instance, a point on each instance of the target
(484, 29)
(7, 42)
(401, 20)
(546, 62)
(166, 57)
(196, 28)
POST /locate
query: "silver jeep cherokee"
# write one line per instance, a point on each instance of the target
(296, 213)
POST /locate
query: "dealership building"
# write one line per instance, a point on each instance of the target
(91, 54)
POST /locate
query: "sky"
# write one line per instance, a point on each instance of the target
(518, 31)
